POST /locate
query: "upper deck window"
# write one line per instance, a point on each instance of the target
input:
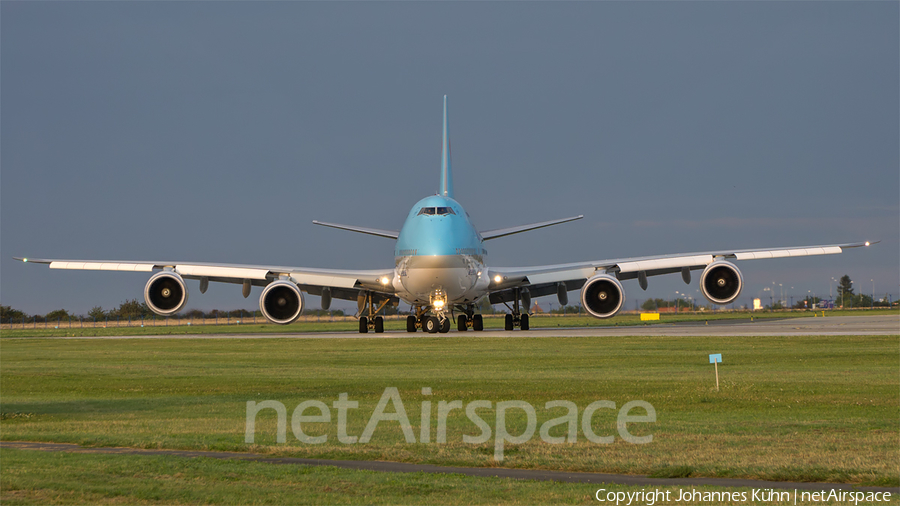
(440, 211)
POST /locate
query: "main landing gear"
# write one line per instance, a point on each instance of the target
(371, 322)
(517, 318)
(469, 320)
(463, 322)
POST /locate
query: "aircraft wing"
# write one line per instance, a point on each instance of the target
(546, 278)
(344, 284)
(503, 232)
(390, 234)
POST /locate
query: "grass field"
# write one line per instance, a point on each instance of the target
(52, 478)
(311, 324)
(790, 408)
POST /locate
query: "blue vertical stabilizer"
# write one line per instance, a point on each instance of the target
(446, 189)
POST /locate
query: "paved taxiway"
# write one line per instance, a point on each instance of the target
(819, 326)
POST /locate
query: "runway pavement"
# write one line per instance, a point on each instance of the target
(818, 326)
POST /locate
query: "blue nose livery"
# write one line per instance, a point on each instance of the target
(440, 269)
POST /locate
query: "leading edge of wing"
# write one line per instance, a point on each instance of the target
(503, 232)
(660, 264)
(390, 234)
(370, 279)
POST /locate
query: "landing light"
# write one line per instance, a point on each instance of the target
(867, 243)
(498, 278)
(385, 280)
(438, 304)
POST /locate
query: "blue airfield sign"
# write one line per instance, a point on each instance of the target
(715, 358)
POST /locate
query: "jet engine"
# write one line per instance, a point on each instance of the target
(165, 293)
(721, 282)
(602, 296)
(281, 302)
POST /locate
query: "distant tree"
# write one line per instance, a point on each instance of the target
(97, 313)
(845, 289)
(862, 300)
(59, 314)
(194, 313)
(565, 310)
(130, 309)
(653, 304)
(7, 312)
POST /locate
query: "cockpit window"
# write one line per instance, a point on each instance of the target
(440, 211)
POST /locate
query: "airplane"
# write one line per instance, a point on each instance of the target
(440, 270)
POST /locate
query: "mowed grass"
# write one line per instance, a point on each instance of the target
(789, 408)
(313, 324)
(34, 477)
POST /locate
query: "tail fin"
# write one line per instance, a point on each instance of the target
(446, 188)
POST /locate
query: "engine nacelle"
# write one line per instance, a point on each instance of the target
(602, 296)
(281, 302)
(721, 282)
(165, 293)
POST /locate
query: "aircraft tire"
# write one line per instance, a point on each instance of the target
(363, 325)
(445, 326)
(379, 325)
(523, 323)
(509, 322)
(410, 323)
(477, 323)
(431, 325)
(461, 323)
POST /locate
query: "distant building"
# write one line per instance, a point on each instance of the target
(536, 309)
(757, 305)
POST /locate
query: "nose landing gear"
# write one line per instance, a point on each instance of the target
(441, 321)
(434, 324)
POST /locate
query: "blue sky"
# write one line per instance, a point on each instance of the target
(207, 131)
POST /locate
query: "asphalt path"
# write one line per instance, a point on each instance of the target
(816, 326)
(483, 472)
